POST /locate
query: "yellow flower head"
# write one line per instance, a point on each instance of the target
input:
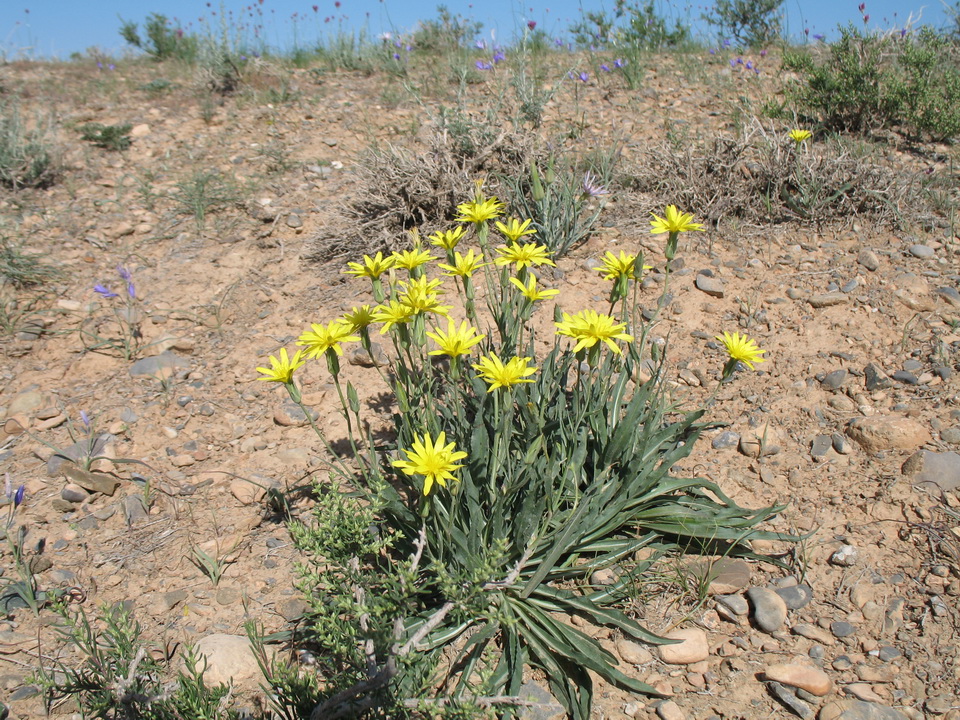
(615, 267)
(411, 259)
(395, 313)
(742, 348)
(320, 339)
(358, 318)
(372, 267)
(456, 341)
(423, 296)
(434, 460)
(514, 229)
(588, 327)
(530, 289)
(463, 265)
(447, 240)
(496, 374)
(674, 222)
(798, 136)
(526, 255)
(481, 209)
(282, 370)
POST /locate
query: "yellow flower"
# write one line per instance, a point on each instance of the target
(463, 265)
(372, 267)
(455, 342)
(624, 266)
(526, 255)
(395, 313)
(422, 296)
(411, 259)
(530, 289)
(742, 348)
(479, 211)
(447, 240)
(497, 375)
(675, 222)
(514, 229)
(281, 370)
(434, 460)
(588, 327)
(320, 338)
(798, 136)
(358, 318)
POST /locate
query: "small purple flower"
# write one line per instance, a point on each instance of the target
(605, 67)
(558, 42)
(757, 70)
(498, 56)
(111, 66)
(583, 77)
(619, 63)
(727, 42)
(123, 272)
(531, 24)
(763, 53)
(104, 291)
(100, 65)
(480, 45)
(749, 65)
(903, 33)
(713, 51)
(396, 56)
(18, 496)
(85, 418)
(739, 61)
(131, 292)
(408, 47)
(481, 65)
(818, 37)
(733, 63)
(591, 187)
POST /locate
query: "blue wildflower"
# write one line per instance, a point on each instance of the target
(104, 291)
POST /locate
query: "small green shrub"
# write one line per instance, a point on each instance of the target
(647, 28)
(108, 137)
(163, 41)
(751, 23)
(448, 32)
(868, 82)
(26, 158)
(24, 269)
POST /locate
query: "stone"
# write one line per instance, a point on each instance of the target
(938, 468)
(543, 707)
(141, 130)
(229, 660)
(736, 604)
(835, 379)
(26, 402)
(841, 444)
(807, 677)
(633, 653)
(173, 598)
(875, 378)
(812, 632)
(858, 710)
(292, 609)
(74, 493)
(821, 445)
(795, 596)
(726, 439)
(844, 556)
(247, 492)
(924, 252)
(692, 647)
(160, 366)
(294, 221)
(289, 414)
(725, 575)
(829, 299)
(710, 285)
(878, 433)
(92, 481)
(790, 700)
(868, 259)
(769, 609)
(375, 358)
(760, 441)
(950, 435)
(134, 510)
(669, 710)
(842, 629)
(950, 295)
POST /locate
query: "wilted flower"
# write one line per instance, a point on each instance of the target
(531, 24)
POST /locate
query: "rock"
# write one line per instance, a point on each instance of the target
(26, 402)
(74, 493)
(842, 629)
(173, 598)
(950, 295)
(292, 609)
(924, 252)
(692, 647)
(544, 707)
(134, 510)
(160, 366)
(835, 379)
(875, 378)
(821, 445)
(736, 604)
(868, 259)
(759, 441)
(841, 444)
(669, 710)
(375, 358)
(182, 460)
(710, 285)
(246, 492)
(92, 481)
(726, 439)
(812, 632)
(769, 609)
(878, 433)
(633, 653)
(905, 377)
(294, 221)
(229, 660)
(858, 710)
(289, 414)
(790, 700)
(844, 556)
(726, 575)
(950, 435)
(795, 596)
(829, 299)
(807, 677)
(939, 468)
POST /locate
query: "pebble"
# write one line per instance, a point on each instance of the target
(812, 632)
(292, 609)
(74, 493)
(726, 439)
(727, 575)
(633, 653)
(361, 358)
(905, 377)
(160, 366)
(835, 379)
(809, 678)
(692, 647)
(769, 609)
(795, 596)
(923, 252)
(849, 709)
(736, 604)
(710, 285)
(829, 299)
(878, 433)
(134, 510)
(669, 710)
(821, 445)
(289, 414)
(790, 700)
(842, 629)
(886, 653)
(868, 259)
(875, 378)
(844, 556)
(938, 468)
(294, 221)
(849, 286)
(950, 435)
(229, 659)
(246, 492)
(950, 295)
(841, 444)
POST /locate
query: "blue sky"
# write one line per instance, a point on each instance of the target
(56, 28)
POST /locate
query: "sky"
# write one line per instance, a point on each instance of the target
(57, 28)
